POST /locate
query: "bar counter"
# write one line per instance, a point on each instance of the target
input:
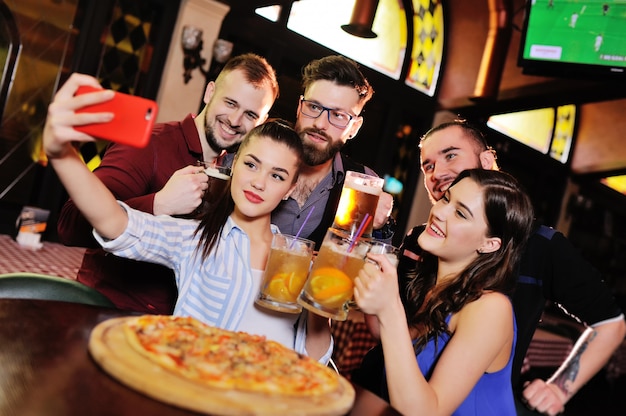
(45, 367)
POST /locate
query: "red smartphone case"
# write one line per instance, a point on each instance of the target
(132, 123)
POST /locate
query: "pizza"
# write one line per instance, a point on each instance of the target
(185, 362)
(227, 360)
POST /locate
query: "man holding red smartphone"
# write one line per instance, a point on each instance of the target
(162, 179)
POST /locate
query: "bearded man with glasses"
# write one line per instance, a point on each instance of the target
(328, 115)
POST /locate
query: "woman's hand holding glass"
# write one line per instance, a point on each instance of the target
(376, 285)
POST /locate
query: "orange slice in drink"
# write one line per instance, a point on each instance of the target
(294, 283)
(331, 286)
(277, 287)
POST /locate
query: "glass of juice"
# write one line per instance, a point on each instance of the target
(328, 289)
(359, 196)
(286, 271)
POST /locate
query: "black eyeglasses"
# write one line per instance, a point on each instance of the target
(337, 118)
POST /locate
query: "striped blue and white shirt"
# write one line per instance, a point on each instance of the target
(217, 291)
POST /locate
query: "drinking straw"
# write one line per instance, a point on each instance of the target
(302, 226)
(360, 230)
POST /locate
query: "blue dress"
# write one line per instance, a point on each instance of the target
(491, 396)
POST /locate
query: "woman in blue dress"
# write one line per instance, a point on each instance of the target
(449, 350)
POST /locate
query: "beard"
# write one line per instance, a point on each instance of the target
(212, 140)
(313, 155)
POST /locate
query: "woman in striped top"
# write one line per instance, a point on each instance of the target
(217, 271)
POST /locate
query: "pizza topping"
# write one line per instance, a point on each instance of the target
(227, 359)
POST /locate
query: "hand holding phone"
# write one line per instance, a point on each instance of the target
(133, 118)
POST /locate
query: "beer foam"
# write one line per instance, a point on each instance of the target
(216, 173)
(363, 188)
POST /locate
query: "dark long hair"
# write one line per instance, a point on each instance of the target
(215, 213)
(509, 216)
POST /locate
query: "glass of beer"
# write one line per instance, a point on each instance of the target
(218, 179)
(359, 196)
(286, 271)
(391, 252)
(330, 284)
(378, 247)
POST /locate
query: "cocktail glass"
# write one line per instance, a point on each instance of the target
(330, 284)
(286, 271)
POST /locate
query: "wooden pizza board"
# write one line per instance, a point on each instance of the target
(110, 349)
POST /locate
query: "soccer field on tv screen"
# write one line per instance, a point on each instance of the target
(583, 32)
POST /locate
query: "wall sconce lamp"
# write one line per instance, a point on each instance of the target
(192, 44)
(362, 19)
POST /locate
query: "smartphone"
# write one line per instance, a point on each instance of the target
(132, 122)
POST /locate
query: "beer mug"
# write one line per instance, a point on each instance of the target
(216, 186)
(378, 247)
(359, 196)
(218, 178)
(392, 253)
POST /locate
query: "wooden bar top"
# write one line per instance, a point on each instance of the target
(45, 367)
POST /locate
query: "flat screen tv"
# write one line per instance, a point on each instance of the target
(582, 39)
